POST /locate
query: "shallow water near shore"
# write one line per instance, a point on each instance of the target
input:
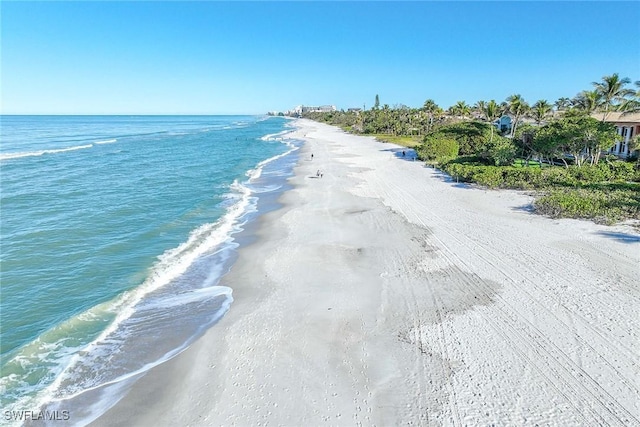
(116, 231)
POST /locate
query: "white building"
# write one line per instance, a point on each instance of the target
(320, 109)
(503, 124)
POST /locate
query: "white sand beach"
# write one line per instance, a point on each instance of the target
(385, 294)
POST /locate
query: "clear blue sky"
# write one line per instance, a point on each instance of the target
(252, 57)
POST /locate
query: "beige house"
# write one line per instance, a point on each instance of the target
(628, 126)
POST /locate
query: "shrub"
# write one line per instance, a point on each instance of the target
(623, 171)
(591, 173)
(523, 139)
(470, 136)
(501, 151)
(468, 160)
(572, 192)
(438, 147)
(522, 178)
(602, 206)
(569, 203)
(557, 176)
(489, 176)
(459, 171)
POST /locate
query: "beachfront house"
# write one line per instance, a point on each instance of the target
(303, 109)
(320, 109)
(503, 124)
(628, 126)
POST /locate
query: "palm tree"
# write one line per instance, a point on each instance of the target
(587, 101)
(417, 119)
(430, 107)
(385, 111)
(492, 111)
(540, 110)
(479, 107)
(403, 119)
(460, 108)
(438, 113)
(517, 107)
(463, 108)
(632, 105)
(612, 91)
(562, 103)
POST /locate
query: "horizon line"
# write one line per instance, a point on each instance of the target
(133, 114)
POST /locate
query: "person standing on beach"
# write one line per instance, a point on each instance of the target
(311, 156)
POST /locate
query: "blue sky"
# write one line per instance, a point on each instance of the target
(251, 57)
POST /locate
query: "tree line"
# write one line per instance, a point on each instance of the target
(575, 126)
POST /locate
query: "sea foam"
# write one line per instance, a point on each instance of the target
(8, 156)
(74, 368)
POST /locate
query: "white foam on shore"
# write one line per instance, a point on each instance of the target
(113, 390)
(67, 361)
(275, 136)
(266, 188)
(171, 265)
(72, 362)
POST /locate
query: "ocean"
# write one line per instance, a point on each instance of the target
(115, 232)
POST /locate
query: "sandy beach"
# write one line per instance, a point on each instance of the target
(385, 294)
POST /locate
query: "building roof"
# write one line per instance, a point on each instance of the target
(618, 117)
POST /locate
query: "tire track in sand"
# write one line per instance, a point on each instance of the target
(528, 339)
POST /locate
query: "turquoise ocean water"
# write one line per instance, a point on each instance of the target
(115, 232)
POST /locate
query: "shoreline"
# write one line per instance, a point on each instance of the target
(383, 293)
(190, 317)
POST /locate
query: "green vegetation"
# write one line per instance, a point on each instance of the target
(522, 163)
(599, 205)
(439, 148)
(471, 136)
(577, 134)
(607, 193)
(557, 152)
(405, 141)
(470, 169)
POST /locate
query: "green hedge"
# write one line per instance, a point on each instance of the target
(526, 178)
(599, 205)
(471, 136)
(624, 171)
(438, 147)
(608, 192)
